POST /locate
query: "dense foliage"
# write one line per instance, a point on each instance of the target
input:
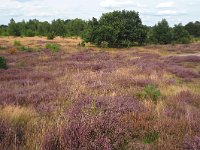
(161, 33)
(3, 64)
(114, 29)
(118, 28)
(193, 28)
(180, 35)
(34, 27)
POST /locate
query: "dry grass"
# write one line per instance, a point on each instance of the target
(91, 98)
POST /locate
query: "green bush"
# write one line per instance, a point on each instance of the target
(30, 33)
(82, 44)
(17, 43)
(3, 64)
(50, 36)
(104, 44)
(37, 49)
(24, 49)
(151, 137)
(53, 47)
(150, 92)
(117, 28)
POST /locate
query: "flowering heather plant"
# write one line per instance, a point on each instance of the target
(175, 111)
(181, 59)
(117, 105)
(52, 140)
(4, 132)
(83, 98)
(81, 56)
(191, 143)
(185, 73)
(103, 132)
(188, 98)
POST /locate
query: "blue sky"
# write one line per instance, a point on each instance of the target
(175, 11)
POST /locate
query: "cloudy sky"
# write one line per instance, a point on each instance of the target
(175, 11)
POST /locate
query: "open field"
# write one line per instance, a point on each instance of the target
(89, 98)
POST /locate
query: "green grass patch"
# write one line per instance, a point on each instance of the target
(150, 92)
(24, 49)
(17, 43)
(37, 49)
(53, 47)
(151, 137)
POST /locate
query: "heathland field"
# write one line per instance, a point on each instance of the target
(59, 95)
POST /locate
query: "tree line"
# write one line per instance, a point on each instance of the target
(114, 29)
(31, 28)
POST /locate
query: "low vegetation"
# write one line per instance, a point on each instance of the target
(17, 43)
(53, 47)
(92, 98)
(3, 64)
(150, 92)
(50, 36)
(114, 84)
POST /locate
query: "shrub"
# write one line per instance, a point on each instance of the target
(151, 137)
(104, 44)
(2, 47)
(24, 48)
(30, 33)
(53, 47)
(13, 51)
(150, 92)
(17, 43)
(82, 44)
(126, 43)
(37, 49)
(50, 36)
(3, 64)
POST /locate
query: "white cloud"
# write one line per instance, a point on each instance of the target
(152, 11)
(166, 5)
(28, 9)
(171, 13)
(116, 3)
(167, 12)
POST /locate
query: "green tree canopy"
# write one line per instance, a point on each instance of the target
(118, 28)
(180, 35)
(75, 27)
(14, 28)
(161, 33)
(193, 28)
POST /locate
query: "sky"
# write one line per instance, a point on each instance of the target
(175, 11)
